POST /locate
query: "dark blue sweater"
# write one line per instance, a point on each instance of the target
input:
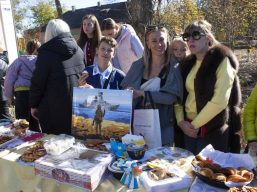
(115, 80)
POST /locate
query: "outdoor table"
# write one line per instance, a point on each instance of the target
(17, 177)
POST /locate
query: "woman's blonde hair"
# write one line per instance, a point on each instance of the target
(178, 40)
(205, 27)
(54, 28)
(147, 51)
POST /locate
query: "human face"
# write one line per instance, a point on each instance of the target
(179, 50)
(88, 27)
(110, 33)
(105, 53)
(198, 45)
(157, 42)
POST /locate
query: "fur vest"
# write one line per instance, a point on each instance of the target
(227, 123)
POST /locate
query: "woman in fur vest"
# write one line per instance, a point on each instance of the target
(211, 113)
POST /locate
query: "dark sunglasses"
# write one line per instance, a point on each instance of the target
(196, 35)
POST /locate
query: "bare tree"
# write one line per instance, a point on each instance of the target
(58, 8)
(142, 13)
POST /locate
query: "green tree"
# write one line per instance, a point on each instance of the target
(43, 11)
(231, 19)
(176, 14)
(18, 14)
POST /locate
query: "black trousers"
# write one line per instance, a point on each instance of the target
(4, 111)
(22, 109)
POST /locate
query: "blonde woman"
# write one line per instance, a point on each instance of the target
(159, 75)
(211, 94)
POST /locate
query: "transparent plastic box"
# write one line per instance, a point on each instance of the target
(58, 144)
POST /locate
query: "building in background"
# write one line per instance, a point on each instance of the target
(117, 11)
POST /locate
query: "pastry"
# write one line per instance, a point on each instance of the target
(241, 169)
(196, 163)
(219, 176)
(160, 174)
(4, 139)
(243, 189)
(246, 174)
(19, 127)
(213, 166)
(206, 172)
(200, 157)
(34, 152)
(228, 171)
(236, 178)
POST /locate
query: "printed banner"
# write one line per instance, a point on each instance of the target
(101, 113)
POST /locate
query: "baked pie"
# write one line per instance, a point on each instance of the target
(4, 139)
(34, 152)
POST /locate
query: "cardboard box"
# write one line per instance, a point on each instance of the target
(92, 165)
(179, 182)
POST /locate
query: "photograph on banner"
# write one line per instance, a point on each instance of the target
(101, 113)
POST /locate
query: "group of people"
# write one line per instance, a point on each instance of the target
(192, 80)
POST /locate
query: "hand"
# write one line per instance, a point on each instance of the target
(82, 79)
(188, 129)
(87, 86)
(138, 93)
(34, 113)
(253, 146)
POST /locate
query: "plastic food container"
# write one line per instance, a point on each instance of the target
(136, 152)
(58, 144)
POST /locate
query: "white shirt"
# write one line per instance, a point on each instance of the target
(103, 75)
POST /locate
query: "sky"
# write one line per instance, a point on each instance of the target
(85, 3)
(68, 5)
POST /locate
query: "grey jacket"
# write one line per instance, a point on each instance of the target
(164, 99)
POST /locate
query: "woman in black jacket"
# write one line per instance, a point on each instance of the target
(59, 63)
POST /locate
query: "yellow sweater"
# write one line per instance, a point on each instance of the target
(250, 116)
(225, 76)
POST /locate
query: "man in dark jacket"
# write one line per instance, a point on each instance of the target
(59, 63)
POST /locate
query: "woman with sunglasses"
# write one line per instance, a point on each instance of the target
(129, 47)
(158, 75)
(211, 93)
